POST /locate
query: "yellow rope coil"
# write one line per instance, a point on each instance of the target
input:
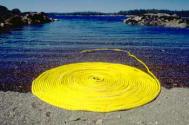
(97, 86)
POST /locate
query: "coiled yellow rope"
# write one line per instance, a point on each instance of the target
(97, 86)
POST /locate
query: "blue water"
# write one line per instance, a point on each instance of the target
(27, 51)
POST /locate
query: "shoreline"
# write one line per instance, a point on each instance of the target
(169, 68)
(171, 107)
(172, 74)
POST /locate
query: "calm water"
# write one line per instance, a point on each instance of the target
(27, 51)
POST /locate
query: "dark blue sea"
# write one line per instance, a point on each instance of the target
(27, 51)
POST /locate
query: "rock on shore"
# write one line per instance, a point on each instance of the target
(14, 18)
(159, 19)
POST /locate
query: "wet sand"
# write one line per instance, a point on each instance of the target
(171, 66)
(170, 108)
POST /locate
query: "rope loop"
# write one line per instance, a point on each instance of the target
(97, 86)
(129, 54)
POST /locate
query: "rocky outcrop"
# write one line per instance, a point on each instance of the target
(14, 18)
(159, 19)
(36, 18)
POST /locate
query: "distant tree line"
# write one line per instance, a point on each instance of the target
(88, 13)
(182, 13)
(5, 13)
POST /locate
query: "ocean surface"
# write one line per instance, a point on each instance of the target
(27, 51)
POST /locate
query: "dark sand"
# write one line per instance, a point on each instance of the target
(171, 66)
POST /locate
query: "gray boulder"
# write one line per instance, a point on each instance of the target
(159, 19)
(36, 18)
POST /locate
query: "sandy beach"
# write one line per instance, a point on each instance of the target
(27, 50)
(170, 108)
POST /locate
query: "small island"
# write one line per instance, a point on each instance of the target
(157, 19)
(13, 18)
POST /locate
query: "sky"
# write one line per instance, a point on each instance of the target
(93, 5)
